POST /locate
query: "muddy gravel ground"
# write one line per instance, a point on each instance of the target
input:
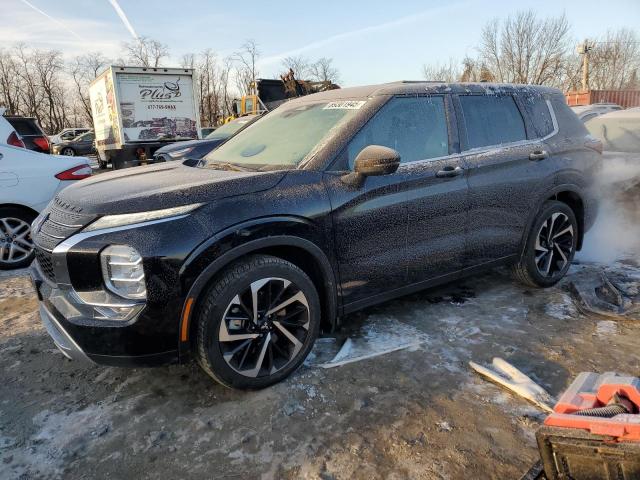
(418, 412)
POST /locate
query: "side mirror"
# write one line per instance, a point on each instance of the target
(373, 160)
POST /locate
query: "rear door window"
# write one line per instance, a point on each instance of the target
(491, 120)
(416, 127)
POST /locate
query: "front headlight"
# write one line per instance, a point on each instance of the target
(122, 271)
(180, 153)
(110, 221)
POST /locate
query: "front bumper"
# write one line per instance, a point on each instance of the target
(88, 340)
(61, 338)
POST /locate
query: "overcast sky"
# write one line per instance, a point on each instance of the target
(371, 41)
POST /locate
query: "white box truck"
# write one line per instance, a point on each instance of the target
(137, 110)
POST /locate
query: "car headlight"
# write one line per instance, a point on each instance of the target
(110, 221)
(180, 153)
(122, 271)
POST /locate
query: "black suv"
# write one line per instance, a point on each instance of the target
(330, 203)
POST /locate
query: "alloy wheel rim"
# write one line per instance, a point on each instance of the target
(15, 240)
(264, 327)
(554, 245)
(68, 152)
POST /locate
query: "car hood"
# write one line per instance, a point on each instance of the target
(189, 143)
(162, 186)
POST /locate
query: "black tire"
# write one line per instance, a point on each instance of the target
(102, 165)
(10, 218)
(68, 152)
(537, 268)
(276, 355)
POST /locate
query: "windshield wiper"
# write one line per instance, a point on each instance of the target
(229, 166)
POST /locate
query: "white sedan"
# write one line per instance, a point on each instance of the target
(28, 181)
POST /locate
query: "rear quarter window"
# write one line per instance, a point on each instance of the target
(491, 120)
(540, 115)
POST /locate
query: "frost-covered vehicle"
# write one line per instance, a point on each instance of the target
(619, 133)
(330, 203)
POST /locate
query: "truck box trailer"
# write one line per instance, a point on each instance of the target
(137, 110)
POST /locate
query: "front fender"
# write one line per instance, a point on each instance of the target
(242, 239)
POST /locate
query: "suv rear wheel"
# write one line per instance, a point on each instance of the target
(550, 247)
(257, 323)
(16, 246)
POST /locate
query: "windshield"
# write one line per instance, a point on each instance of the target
(284, 137)
(84, 136)
(228, 129)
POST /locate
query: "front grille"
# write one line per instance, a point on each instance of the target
(46, 264)
(62, 221)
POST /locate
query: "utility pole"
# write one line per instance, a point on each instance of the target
(584, 49)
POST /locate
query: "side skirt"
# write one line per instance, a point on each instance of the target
(433, 282)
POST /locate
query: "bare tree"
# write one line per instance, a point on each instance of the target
(526, 49)
(83, 70)
(34, 83)
(146, 52)
(615, 60)
(446, 72)
(246, 60)
(323, 70)
(9, 82)
(188, 60)
(299, 64)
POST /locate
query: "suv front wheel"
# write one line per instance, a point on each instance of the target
(550, 247)
(257, 323)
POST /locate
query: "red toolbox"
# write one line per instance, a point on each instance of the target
(594, 430)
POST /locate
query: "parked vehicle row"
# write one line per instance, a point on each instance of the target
(67, 134)
(330, 203)
(587, 112)
(28, 181)
(83, 144)
(196, 149)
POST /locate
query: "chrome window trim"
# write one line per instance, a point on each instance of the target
(484, 149)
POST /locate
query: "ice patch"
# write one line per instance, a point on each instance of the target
(380, 336)
(606, 327)
(563, 310)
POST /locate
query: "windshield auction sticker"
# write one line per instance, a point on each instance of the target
(345, 105)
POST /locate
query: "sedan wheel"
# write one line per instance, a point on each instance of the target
(16, 246)
(69, 152)
(257, 323)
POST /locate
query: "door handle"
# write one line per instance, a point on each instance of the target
(538, 155)
(449, 171)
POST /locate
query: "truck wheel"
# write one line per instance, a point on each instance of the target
(257, 322)
(16, 245)
(550, 247)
